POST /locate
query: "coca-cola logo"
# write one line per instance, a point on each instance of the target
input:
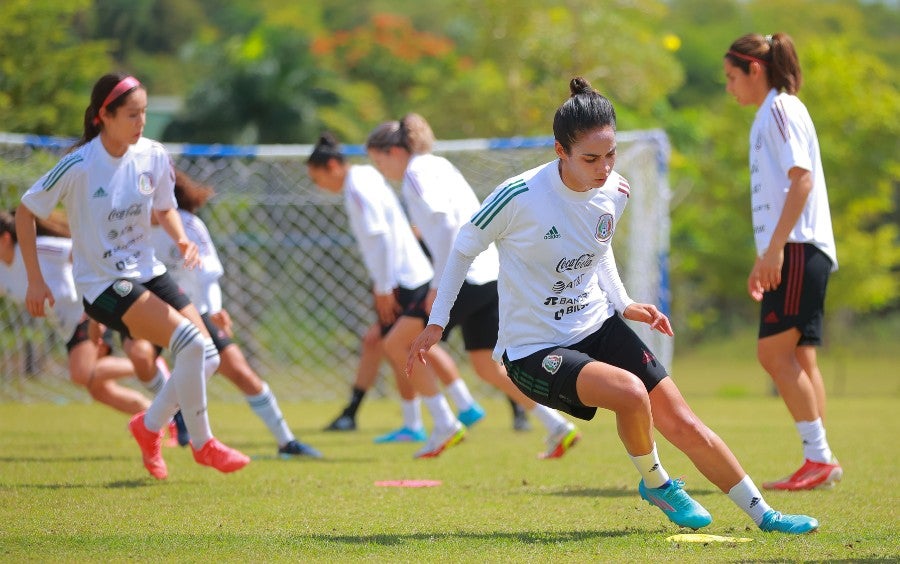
(583, 261)
(131, 211)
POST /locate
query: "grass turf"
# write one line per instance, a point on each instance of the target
(73, 489)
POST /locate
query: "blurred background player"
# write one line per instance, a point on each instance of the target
(400, 273)
(202, 287)
(795, 250)
(439, 201)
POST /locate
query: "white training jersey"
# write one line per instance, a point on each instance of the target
(54, 254)
(439, 202)
(201, 283)
(782, 137)
(390, 250)
(108, 200)
(558, 280)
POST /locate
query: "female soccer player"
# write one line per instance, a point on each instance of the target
(561, 335)
(202, 287)
(795, 250)
(440, 201)
(400, 273)
(111, 183)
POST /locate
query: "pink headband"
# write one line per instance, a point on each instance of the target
(749, 58)
(124, 85)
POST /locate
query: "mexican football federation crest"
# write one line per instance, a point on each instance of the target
(145, 185)
(122, 287)
(551, 363)
(604, 228)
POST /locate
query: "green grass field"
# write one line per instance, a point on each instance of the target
(72, 487)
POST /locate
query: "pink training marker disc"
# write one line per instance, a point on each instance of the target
(408, 483)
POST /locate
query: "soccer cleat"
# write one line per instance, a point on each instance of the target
(561, 440)
(184, 438)
(151, 446)
(343, 423)
(472, 415)
(776, 522)
(221, 457)
(677, 505)
(296, 449)
(439, 441)
(171, 437)
(402, 435)
(811, 475)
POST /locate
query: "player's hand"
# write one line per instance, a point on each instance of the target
(649, 314)
(754, 286)
(35, 296)
(387, 307)
(190, 252)
(95, 331)
(424, 342)
(768, 269)
(222, 320)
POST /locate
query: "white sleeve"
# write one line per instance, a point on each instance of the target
(454, 275)
(380, 263)
(610, 282)
(213, 297)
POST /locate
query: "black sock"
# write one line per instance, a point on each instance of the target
(516, 408)
(356, 398)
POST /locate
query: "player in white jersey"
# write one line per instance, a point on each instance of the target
(202, 287)
(440, 201)
(90, 362)
(795, 250)
(110, 184)
(562, 337)
(401, 274)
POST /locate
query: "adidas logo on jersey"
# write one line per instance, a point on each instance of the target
(100, 193)
(552, 234)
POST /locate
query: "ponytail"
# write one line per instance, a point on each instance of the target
(775, 53)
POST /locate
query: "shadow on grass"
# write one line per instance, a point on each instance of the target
(116, 484)
(524, 537)
(609, 492)
(58, 459)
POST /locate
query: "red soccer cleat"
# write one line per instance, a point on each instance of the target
(151, 446)
(222, 458)
(810, 476)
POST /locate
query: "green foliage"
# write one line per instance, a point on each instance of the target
(45, 69)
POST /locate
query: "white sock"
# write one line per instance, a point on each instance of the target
(156, 384)
(459, 393)
(440, 411)
(265, 406)
(551, 418)
(746, 496)
(651, 468)
(815, 445)
(412, 413)
(188, 348)
(163, 407)
(210, 358)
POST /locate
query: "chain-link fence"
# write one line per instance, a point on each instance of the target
(295, 284)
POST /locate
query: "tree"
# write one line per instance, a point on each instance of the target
(46, 77)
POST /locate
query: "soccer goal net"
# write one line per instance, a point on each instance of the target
(295, 285)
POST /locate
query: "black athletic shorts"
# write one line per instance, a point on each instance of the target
(412, 304)
(81, 335)
(477, 311)
(549, 376)
(219, 337)
(799, 301)
(111, 305)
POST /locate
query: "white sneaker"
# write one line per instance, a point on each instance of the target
(441, 440)
(561, 440)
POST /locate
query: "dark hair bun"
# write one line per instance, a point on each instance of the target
(579, 85)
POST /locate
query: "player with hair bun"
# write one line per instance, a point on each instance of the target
(574, 352)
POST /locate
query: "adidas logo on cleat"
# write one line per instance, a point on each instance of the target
(552, 233)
